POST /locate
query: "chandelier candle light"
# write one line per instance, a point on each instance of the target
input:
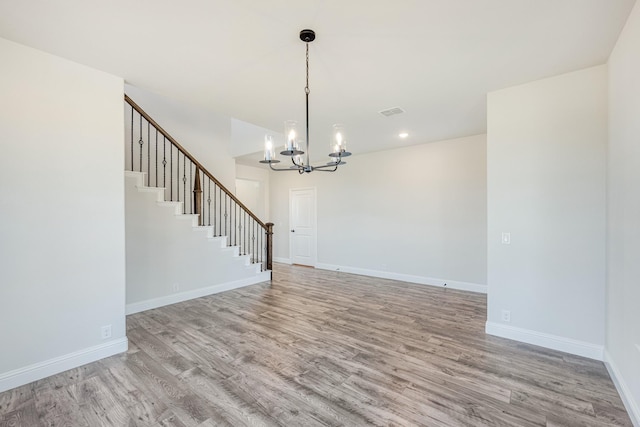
(292, 136)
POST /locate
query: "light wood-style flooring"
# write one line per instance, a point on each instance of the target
(322, 348)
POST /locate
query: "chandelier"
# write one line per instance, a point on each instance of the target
(299, 158)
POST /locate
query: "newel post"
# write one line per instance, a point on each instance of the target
(269, 233)
(197, 197)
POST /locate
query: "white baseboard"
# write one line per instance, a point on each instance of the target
(37, 371)
(453, 284)
(137, 307)
(623, 390)
(282, 260)
(554, 342)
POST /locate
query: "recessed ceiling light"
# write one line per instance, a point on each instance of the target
(403, 134)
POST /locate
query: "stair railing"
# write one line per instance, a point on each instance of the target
(150, 149)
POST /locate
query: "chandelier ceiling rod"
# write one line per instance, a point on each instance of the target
(291, 148)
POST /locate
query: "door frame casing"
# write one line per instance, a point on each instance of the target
(315, 223)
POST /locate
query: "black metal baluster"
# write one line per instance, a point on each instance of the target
(178, 174)
(171, 171)
(203, 214)
(149, 154)
(214, 211)
(209, 206)
(258, 251)
(222, 218)
(259, 245)
(238, 228)
(225, 218)
(141, 143)
(209, 200)
(164, 161)
(131, 139)
(184, 183)
(156, 157)
(191, 186)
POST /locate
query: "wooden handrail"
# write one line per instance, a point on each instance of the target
(192, 159)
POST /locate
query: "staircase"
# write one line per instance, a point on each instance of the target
(186, 235)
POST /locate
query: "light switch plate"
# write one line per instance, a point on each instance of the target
(506, 238)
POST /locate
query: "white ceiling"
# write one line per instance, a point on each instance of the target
(436, 59)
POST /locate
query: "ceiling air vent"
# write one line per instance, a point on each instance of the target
(392, 111)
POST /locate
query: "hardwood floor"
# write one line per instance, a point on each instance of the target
(322, 348)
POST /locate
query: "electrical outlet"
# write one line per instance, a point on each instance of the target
(106, 332)
(506, 316)
(506, 238)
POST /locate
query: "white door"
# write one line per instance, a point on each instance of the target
(302, 226)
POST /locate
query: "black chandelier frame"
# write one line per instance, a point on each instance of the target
(307, 36)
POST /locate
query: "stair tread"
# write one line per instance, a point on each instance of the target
(149, 189)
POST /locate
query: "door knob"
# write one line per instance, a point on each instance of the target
(293, 231)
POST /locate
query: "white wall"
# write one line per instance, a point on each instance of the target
(546, 158)
(247, 192)
(246, 137)
(62, 204)
(416, 213)
(206, 135)
(168, 260)
(623, 291)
